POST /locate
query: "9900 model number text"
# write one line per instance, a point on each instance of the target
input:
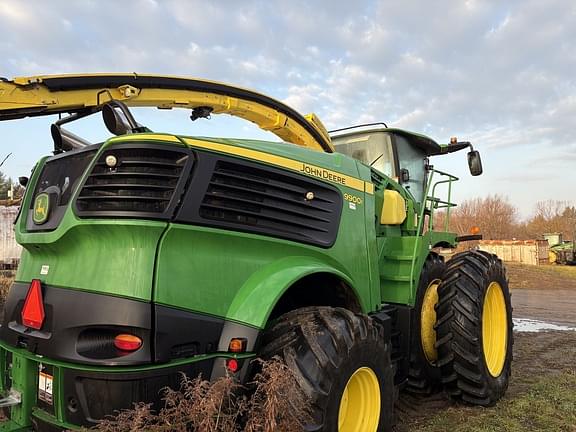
(352, 198)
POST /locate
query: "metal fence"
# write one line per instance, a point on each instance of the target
(9, 249)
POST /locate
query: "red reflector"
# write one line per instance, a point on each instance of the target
(127, 342)
(232, 365)
(33, 310)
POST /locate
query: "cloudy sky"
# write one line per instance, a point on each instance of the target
(498, 73)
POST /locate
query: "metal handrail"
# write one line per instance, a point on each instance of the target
(432, 200)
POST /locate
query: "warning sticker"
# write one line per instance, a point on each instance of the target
(45, 387)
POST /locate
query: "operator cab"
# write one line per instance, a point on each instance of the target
(393, 152)
(399, 154)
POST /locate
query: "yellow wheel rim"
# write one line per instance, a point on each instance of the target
(428, 320)
(494, 329)
(360, 403)
(552, 257)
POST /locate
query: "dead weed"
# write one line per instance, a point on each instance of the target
(273, 403)
(5, 283)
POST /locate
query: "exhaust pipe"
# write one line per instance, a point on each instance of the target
(65, 140)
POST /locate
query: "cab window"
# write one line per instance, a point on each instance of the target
(370, 148)
(414, 160)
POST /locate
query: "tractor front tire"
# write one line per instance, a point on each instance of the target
(474, 328)
(423, 373)
(342, 362)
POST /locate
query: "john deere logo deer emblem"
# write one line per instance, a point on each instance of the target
(41, 208)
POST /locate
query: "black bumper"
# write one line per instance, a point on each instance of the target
(90, 396)
(91, 379)
(80, 327)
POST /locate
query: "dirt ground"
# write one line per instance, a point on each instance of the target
(545, 293)
(542, 392)
(541, 395)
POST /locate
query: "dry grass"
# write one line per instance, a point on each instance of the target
(541, 396)
(275, 403)
(5, 283)
(541, 277)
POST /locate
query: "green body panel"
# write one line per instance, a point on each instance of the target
(94, 255)
(189, 257)
(219, 272)
(12, 426)
(267, 285)
(335, 161)
(24, 374)
(90, 254)
(566, 246)
(401, 260)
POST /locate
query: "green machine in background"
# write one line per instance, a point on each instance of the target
(561, 251)
(153, 254)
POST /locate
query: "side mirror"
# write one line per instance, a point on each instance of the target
(474, 163)
(23, 181)
(114, 121)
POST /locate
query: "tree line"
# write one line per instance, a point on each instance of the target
(498, 219)
(7, 185)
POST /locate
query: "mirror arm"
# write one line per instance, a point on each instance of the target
(76, 116)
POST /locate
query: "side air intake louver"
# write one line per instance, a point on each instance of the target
(377, 179)
(135, 181)
(267, 201)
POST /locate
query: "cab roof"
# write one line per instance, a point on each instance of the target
(424, 143)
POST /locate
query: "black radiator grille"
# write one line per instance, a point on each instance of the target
(144, 183)
(267, 201)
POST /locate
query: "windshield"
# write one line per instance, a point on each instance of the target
(371, 148)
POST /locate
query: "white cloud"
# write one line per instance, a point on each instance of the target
(15, 13)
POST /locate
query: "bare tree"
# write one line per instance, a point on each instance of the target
(552, 216)
(494, 215)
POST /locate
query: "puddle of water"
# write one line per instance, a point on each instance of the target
(534, 326)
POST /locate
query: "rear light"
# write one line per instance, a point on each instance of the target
(127, 342)
(232, 365)
(33, 311)
(237, 345)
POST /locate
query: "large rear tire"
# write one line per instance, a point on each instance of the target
(423, 373)
(342, 362)
(474, 328)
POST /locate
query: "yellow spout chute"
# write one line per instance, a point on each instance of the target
(54, 94)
